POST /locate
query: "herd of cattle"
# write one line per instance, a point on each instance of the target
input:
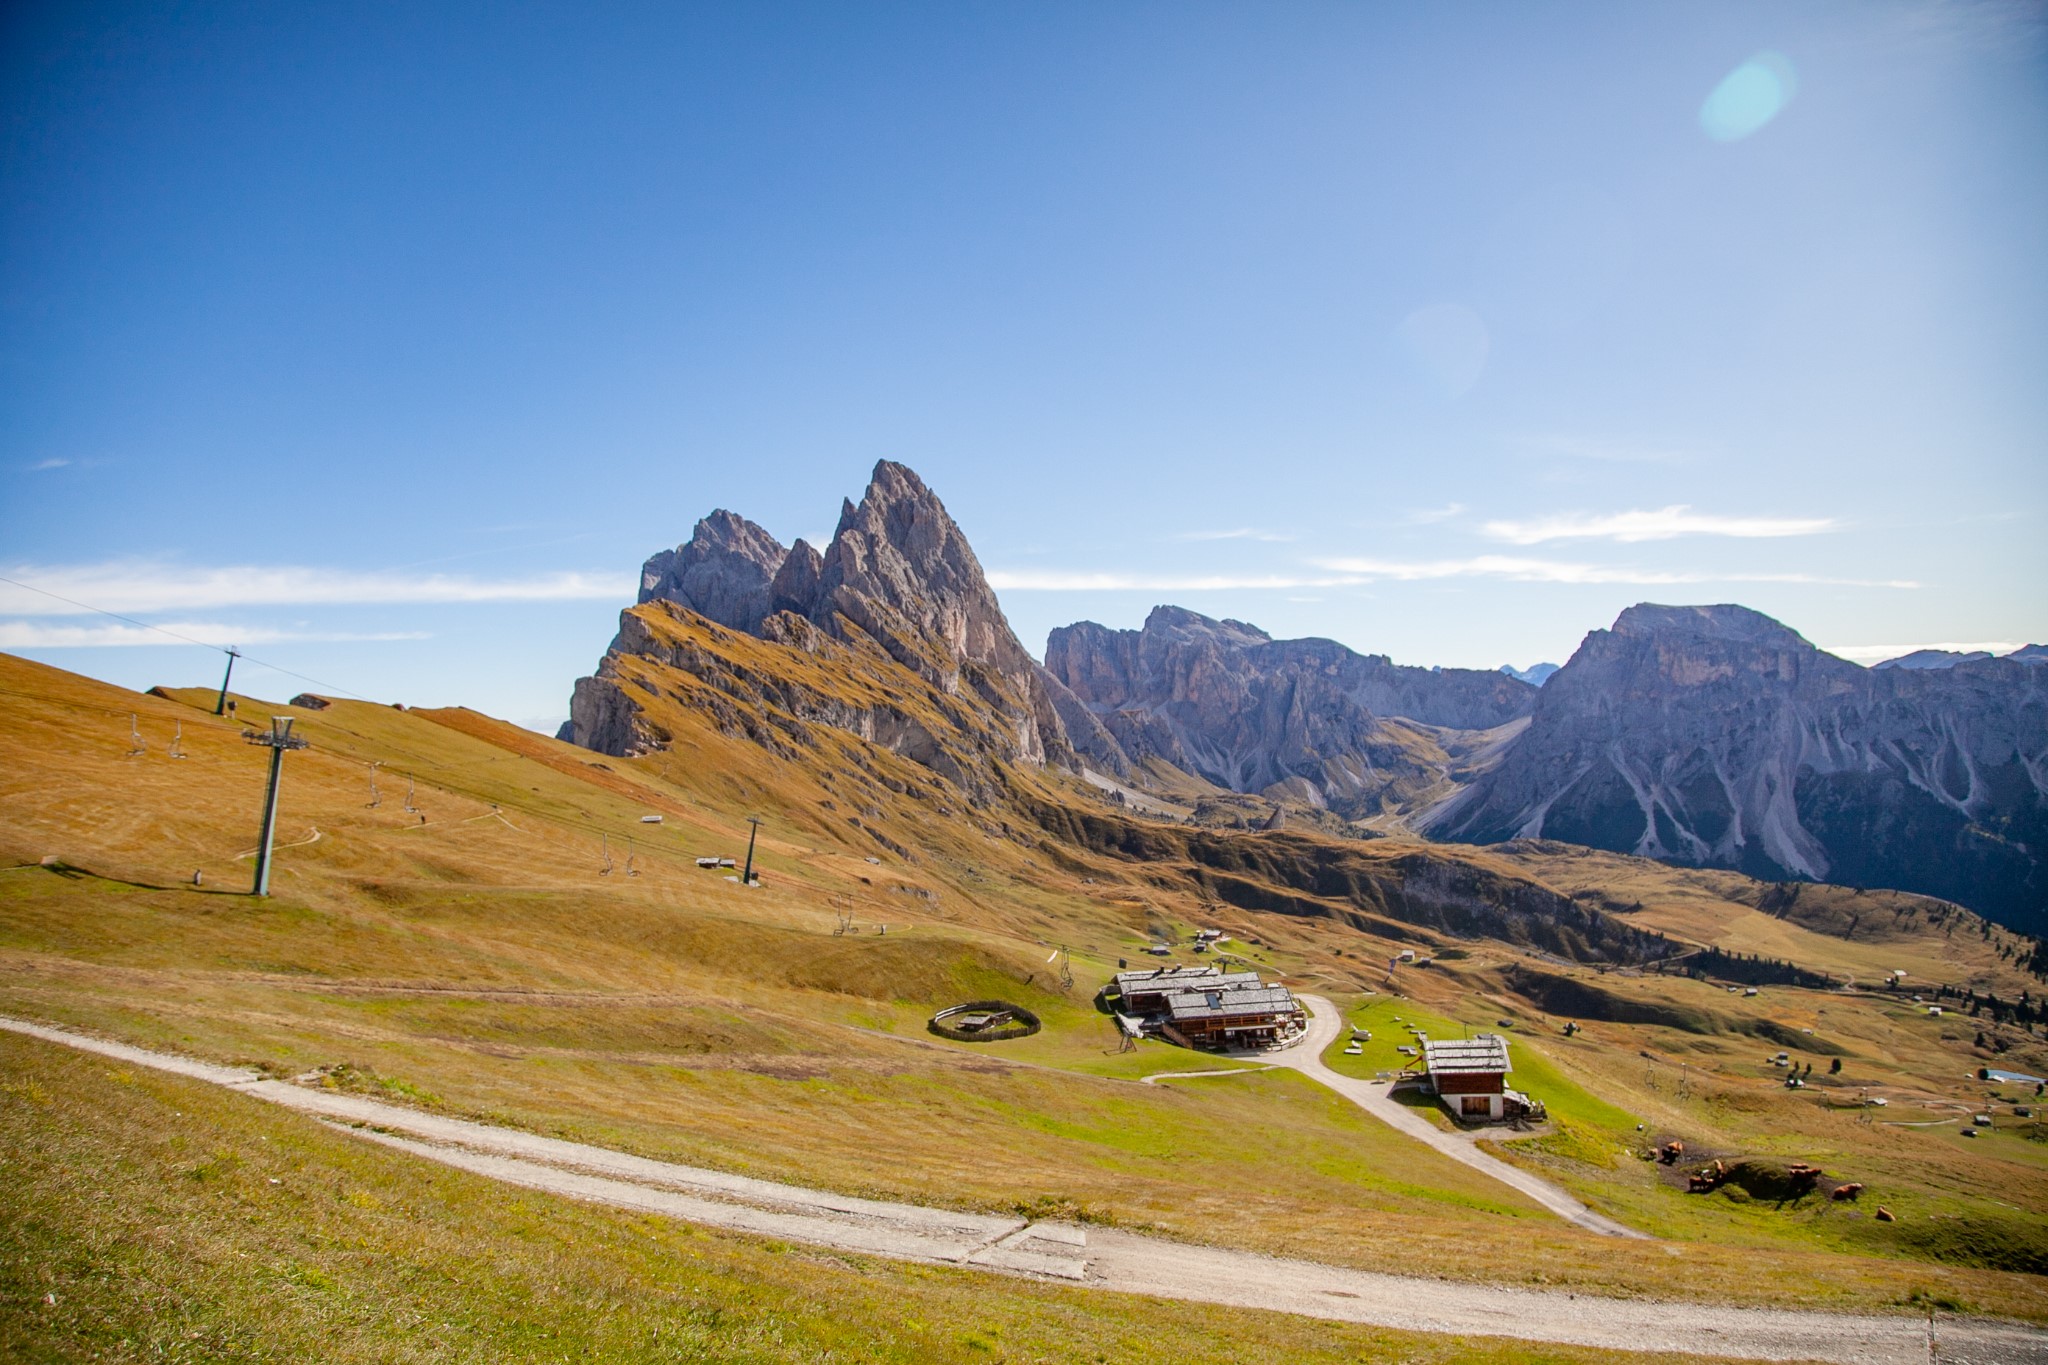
(1803, 1177)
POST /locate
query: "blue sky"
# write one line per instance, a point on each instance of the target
(386, 341)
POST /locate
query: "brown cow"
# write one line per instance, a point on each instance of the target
(1849, 1191)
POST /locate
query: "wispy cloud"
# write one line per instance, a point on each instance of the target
(1241, 533)
(1879, 653)
(1430, 516)
(1605, 451)
(1351, 573)
(43, 635)
(40, 465)
(1664, 523)
(144, 586)
(1520, 570)
(1069, 581)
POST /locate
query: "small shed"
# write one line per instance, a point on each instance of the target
(1470, 1078)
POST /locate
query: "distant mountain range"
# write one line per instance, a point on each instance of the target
(1302, 719)
(1717, 736)
(1712, 736)
(1535, 674)
(1949, 658)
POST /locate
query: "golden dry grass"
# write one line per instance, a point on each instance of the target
(481, 964)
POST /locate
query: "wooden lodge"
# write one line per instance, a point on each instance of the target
(1254, 1016)
(1207, 1007)
(1146, 991)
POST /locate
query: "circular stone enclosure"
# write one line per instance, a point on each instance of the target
(984, 1021)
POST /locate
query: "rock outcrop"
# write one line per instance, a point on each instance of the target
(723, 571)
(1304, 719)
(1716, 736)
(898, 578)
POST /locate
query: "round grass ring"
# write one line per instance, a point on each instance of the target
(992, 1021)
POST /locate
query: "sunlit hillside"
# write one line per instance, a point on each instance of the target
(474, 919)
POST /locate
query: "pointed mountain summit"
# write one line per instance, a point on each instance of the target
(898, 582)
(724, 571)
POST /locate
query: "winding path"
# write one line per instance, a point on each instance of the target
(1371, 1096)
(1103, 1258)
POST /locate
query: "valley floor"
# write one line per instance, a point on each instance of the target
(1102, 1259)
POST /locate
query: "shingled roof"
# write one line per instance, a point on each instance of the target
(1214, 1004)
(1486, 1054)
(1153, 979)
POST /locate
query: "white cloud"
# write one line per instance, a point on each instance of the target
(1664, 523)
(145, 586)
(1521, 570)
(1879, 653)
(1429, 516)
(1242, 533)
(40, 465)
(43, 635)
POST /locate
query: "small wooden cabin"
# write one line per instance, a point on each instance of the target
(1470, 1077)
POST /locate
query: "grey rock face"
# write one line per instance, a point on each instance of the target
(724, 571)
(1227, 701)
(1716, 736)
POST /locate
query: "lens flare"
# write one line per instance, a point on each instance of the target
(1448, 343)
(1749, 97)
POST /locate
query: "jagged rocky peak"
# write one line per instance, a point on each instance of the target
(724, 571)
(898, 572)
(900, 550)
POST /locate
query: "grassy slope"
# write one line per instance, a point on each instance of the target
(1887, 931)
(150, 1218)
(480, 964)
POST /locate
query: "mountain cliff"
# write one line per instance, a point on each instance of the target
(898, 582)
(1306, 719)
(1716, 736)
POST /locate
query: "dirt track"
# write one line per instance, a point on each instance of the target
(1098, 1258)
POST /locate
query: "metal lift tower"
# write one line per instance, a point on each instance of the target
(220, 707)
(747, 877)
(277, 741)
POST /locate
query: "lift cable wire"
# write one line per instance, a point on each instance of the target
(203, 644)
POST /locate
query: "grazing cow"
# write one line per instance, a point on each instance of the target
(1849, 1191)
(1671, 1152)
